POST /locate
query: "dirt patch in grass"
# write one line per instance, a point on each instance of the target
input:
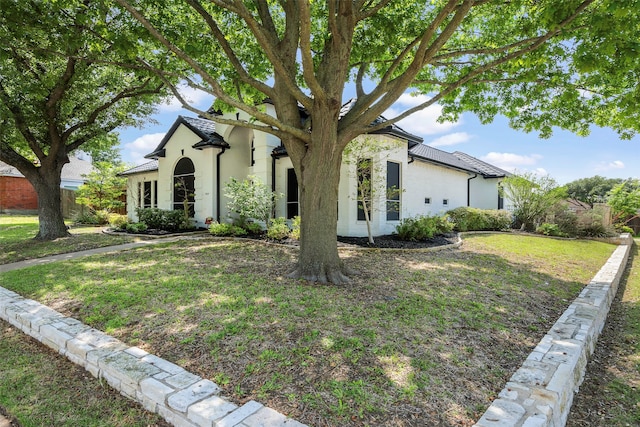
(417, 339)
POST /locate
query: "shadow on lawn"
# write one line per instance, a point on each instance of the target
(416, 339)
(610, 393)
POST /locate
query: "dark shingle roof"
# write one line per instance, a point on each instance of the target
(392, 129)
(145, 167)
(204, 128)
(485, 168)
(457, 160)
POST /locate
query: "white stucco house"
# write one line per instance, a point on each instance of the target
(204, 155)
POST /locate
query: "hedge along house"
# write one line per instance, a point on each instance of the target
(197, 157)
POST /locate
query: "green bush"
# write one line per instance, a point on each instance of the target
(253, 228)
(152, 217)
(621, 228)
(295, 232)
(225, 229)
(278, 229)
(118, 221)
(136, 227)
(92, 217)
(565, 218)
(423, 227)
(590, 224)
(550, 230)
(474, 219)
(166, 220)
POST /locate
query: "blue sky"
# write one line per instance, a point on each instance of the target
(564, 156)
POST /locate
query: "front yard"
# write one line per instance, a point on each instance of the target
(17, 244)
(419, 338)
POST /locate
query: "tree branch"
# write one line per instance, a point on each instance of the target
(233, 59)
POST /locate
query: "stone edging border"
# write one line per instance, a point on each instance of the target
(540, 393)
(180, 397)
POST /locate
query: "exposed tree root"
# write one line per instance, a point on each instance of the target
(327, 275)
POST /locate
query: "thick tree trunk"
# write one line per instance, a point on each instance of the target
(51, 221)
(318, 178)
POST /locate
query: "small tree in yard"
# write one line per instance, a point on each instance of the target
(532, 196)
(624, 200)
(369, 156)
(103, 187)
(250, 199)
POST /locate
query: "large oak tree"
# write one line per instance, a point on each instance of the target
(59, 91)
(541, 63)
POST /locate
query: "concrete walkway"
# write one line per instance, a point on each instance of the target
(180, 397)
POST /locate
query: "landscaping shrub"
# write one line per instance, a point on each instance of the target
(423, 227)
(152, 217)
(278, 229)
(166, 220)
(91, 217)
(253, 228)
(474, 219)
(565, 219)
(550, 230)
(590, 224)
(136, 227)
(225, 229)
(295, 232)
(118, 221)
(620, 228)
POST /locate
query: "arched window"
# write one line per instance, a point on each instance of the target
(184, 185)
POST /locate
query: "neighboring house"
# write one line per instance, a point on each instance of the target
(18, 195)
(203, 156)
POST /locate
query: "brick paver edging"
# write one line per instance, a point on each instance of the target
(182, 398)
(541, 392)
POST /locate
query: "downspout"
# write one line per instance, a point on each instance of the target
(469, 189)
(273, 173)
(218, 183)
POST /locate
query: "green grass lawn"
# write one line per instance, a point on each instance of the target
(418, 338)
(610, 395)
(17, 243)
(40, 388)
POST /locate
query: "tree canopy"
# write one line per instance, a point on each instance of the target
(591, 190)
(60, 90)
(541, 64)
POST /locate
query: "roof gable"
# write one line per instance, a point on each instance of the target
(203, 128)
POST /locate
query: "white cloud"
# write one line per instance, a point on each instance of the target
(135, 151)
(423, 122)
(515, 162)
(604, 166)
(451, 139)
(194, 97)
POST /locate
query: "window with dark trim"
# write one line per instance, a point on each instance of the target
(363, 191)
(184, 185)
(393, 191)
(155, 193)
(293, 197)
(139, 194)
(147, 195)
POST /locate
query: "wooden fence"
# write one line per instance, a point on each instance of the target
(69, 206)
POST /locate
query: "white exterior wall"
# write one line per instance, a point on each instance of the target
(179, 146)
(484, 192)
(348, 223)
(132, 191)
(427, 180)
